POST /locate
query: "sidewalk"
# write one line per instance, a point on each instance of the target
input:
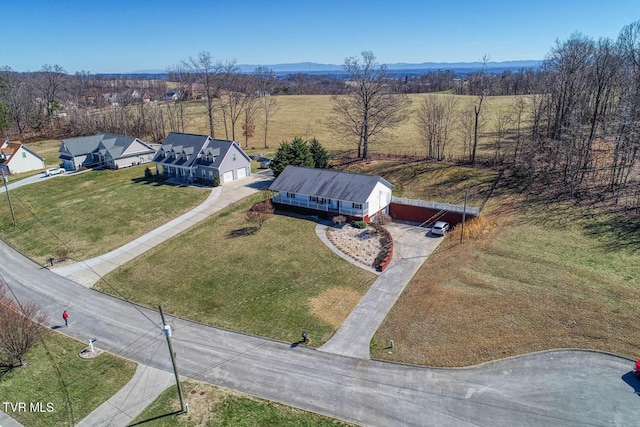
(124, 406)
(88, 272)
(7, 421)
(412, 246)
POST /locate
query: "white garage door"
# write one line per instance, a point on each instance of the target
(241, 173)
(227, 176)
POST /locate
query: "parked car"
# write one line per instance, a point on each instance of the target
(265, 163)
(54, 171)
(440, 228)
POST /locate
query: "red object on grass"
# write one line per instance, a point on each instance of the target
(637, 368)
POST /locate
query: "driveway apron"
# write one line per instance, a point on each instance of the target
(411, 247)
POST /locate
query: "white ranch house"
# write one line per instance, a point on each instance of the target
(332, 192)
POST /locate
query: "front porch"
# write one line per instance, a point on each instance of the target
(336, 207)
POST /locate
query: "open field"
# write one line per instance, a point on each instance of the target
(274, 282)
(540, 276)
(210, 405)
(55, 374)
(87, 214)
(307, 115)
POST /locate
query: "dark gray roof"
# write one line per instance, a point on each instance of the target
(103, 143)
(327, 183)
(175, 144)
(203, 150)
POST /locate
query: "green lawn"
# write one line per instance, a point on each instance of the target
(91, 213)
(58, 378)
(213, 406)
(275, 282)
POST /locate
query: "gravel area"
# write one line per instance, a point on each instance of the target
(363, 245)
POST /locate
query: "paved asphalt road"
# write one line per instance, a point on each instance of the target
(561, 388)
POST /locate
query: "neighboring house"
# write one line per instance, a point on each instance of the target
(17, 158)
(332, 192)
(199, 158)
(104, 149)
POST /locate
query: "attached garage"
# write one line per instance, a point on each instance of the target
(241, 173)
(227, 176)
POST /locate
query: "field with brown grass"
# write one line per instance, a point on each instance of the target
(528, 277)
(306, 116)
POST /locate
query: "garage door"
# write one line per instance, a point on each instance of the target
(241, 173)
(227, 176)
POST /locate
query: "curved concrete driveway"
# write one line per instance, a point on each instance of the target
(564, 388)
(87, 273)
(411, 247)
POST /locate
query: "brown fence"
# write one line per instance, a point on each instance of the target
(421, 211)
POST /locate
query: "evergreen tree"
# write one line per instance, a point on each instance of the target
(295, 153)
(319, 154)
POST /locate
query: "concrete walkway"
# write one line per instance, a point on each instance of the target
(412, 246)
(87, 273)
(124, 406)
(7, 421)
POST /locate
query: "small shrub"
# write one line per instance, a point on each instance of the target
(359, 224)
(147, 173)
(339, 219)
(381, 220)
(216, 180)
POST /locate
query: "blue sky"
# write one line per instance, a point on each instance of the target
(125, 36)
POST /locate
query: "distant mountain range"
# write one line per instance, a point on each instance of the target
(301, 67)
(397, 68)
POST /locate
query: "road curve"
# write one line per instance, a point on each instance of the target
(560, 388)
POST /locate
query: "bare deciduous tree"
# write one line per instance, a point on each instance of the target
(206, 72)
(265, 80)
(53, 79)
(19, 97)
(260, 212)
(21, 328)
(369, 109)
(435, 120)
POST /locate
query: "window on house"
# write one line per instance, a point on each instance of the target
(24, 155)
(357, 205)
(291, 195)
(233, 157)
(313, 199)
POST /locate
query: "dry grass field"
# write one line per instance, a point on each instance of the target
(531, 277)
(306, 116)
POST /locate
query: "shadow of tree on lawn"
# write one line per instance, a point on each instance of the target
(245, 231)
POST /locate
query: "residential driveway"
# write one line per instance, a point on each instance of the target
(411, 247)
(563, 388)
(88, 272)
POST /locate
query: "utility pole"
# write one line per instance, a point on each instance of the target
(167, 333)
(464, 214)
(6, 189)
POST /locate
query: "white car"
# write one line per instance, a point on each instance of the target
(54, 171)
(440, 228)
